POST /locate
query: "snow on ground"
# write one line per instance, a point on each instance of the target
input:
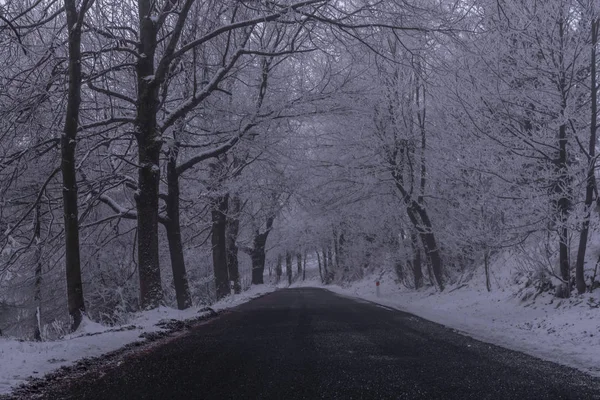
(251, 293)
(566, 332)
(20, 360)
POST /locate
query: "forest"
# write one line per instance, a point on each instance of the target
(168, 152)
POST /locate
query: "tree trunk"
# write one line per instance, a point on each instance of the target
(591, 178)
(147, 221)
(427, 237)
(399, 267)
(336, 250)
(421, 222)
(37, 290)
(299, 263)
(279, 269)
(259, 254)
(416, 210)
(425, 230)
(288, 266)
(233, 227)
(258, 262)
(258, 259)
(219, 246)
(68, 145)
(320, 269)
(304, 267)
(340, 256)
(173, 227)
(486, 263)
(325, 268)
(563, 210)
(561, 187)
(149, 144)
(417, 264)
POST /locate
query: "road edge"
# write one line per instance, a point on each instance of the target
(488, 339)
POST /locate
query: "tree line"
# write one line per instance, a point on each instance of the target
(226, 138)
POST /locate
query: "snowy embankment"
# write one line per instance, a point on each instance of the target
(563, 331)
(22, 360)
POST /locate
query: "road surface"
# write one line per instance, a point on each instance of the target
(312, 344)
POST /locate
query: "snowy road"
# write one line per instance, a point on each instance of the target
(312, 344)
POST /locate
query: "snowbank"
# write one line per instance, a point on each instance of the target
(252, 293)
(566, 332)
(21, 360)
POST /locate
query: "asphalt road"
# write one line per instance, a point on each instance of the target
(312, 344)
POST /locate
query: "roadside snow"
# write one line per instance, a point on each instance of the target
(251, 293)
(566, 332)
(21, 360)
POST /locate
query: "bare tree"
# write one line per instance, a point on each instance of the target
(591, 186)
(75, 20)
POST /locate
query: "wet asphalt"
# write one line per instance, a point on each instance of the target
(313, 344)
